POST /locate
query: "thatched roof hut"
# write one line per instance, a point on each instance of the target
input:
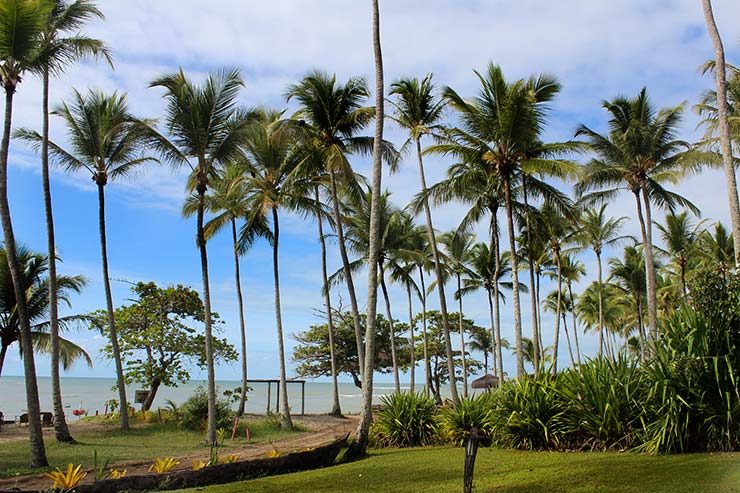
(487, 381)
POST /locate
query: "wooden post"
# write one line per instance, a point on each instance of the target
(303, 398)
(269, 388)
(277, 399)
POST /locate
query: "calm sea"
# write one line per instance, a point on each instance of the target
(92, 393)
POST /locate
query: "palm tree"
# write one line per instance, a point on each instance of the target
(602, 308)
(559, 304)
(418, 110)
(501, 127)
(716, 248)
(273, 184)
(205, 126)
(22, 23)
(62, 45)
(599, 232)
(36, 281)
(227, 201)
(723, 120)
(639, 153)
(571, 271)
(680, 237)
(480, 340)
(109, 143)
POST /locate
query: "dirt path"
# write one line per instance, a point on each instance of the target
(322, 429)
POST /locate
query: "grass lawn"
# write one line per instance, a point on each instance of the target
(440, 470)
(145, 442)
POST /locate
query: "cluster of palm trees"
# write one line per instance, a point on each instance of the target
(247, 167)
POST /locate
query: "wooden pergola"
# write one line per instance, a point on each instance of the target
(270, 381)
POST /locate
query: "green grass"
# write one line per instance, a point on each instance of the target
(440, 470)
(141, 443)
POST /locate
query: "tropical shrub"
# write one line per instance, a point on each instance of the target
(163, 464)
(473, 412)
(67, 479)
(406, 419)
(194, 412)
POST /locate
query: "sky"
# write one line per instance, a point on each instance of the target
(596, 49)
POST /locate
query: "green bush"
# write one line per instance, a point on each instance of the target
(406, 419)
(603, 400)
(477, 411)
(194, 412)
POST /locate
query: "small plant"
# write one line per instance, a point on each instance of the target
(163, 464)
(231, 458)
(68, 479)
(473, 412)
(213, 456)
(272, 454)
(199, 464)
(407, 419)
(116, 474)
(221, 436)
(99, 469)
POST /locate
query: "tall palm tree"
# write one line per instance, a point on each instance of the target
(680, 237)
(36, 281)
(62, 45)
(418, 109)
(559, 303)
(720, 74)
(481, 341)
(502, 127)
(21, 26)
(110, 143)
(206, 129)
(599, 232)
(572, 270)
(273, 184)
(602, 308)
(639, 154)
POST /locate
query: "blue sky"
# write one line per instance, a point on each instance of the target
(598, 49)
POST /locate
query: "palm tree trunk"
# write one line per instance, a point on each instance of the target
(210, 367)
(359, 446)
(497, 303)
(575, 322)
(520, 373)
(394, 356)
(720, 73)
(567, 340)
(60, 423)
(285, 422)
(539, 317)
(425, 345)
(440, 277)
(336, 409)
(412, 366)
(120, 380)
(641, 329)
(494, 340)
(347, 273)
(242, 325)
(557, 316)
(462, 338)
(652, 297)
(3, 352)
(532, 296)
(601, 303)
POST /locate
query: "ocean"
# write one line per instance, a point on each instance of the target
(92, 393)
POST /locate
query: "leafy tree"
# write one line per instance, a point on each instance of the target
(157, 339)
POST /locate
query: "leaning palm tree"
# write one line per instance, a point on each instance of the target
(109, 143)
(62, 45)
(206, 129)
(22, 24)
(418, 109)
(639, 154)
(502, 127)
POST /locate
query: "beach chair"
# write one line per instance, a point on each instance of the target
(47, 420)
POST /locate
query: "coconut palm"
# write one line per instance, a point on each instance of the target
(560, 304)
(108, 142)
(206, 129)
(723, 121)
(639, 154)
(418, 109)
(62, 44)
(273, 185)
(572, 270)
(599, 232)
(36, 281)
(680, 237)
(501, 127)
(22, 23)
(602, 308)
(716, 248)
(481, 341)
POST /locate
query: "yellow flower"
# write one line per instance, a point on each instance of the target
(273, 454)
(163, 464)
(66, 480)
(198, 465)
(116, 474)
(232, 458)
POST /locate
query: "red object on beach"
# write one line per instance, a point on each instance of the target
(79, 412)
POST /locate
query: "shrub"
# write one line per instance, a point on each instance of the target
(458, 421)
(603, 400)
(406, 419)
(194, 412)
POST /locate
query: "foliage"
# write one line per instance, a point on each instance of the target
(472, 412)
(163, 464)
(406, 419)
(67, 479)
(194, 412)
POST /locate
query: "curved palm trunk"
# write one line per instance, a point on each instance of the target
(515, 278)
(359, 446)
(285, 421)
(60, 423)
(242, 325)
(440, 278)
(532, 295)
(210, 367)
(601, 303)
(347, 273)
(120, 380)
(425, 343)
(462, 339)
(394, 356)
(336, 409)
(575, 323)
(652, 298)
(557, 317)
(412, 366)
(724, 126)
